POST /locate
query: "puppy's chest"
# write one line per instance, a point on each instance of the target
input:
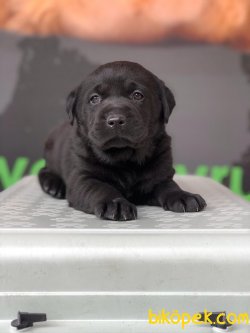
(129, 182)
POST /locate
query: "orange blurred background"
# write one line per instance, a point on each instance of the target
(216, 21)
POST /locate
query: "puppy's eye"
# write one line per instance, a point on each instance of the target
(95, 99)
(137, 95)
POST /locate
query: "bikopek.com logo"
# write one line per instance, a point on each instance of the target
(184, 318)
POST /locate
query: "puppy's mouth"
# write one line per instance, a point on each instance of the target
(117, 144)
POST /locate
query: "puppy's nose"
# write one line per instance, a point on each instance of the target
(116, 120)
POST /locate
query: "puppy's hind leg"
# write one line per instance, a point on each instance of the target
(52, 184)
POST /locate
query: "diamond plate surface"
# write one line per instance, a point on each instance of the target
(25, 206)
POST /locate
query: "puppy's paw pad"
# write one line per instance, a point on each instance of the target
(118, 209)
(181, 201)
(52, 184)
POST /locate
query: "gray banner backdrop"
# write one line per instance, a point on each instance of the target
(210, 125)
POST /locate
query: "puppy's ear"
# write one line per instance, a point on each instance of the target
(71, 105)
(167, 100)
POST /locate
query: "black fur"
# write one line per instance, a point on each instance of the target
(114, 152)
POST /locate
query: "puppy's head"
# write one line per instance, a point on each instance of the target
(121, 107)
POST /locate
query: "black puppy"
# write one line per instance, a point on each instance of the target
(114, 153)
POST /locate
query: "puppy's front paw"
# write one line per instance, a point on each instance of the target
(52, 184)
(118, 209)
(181, 201)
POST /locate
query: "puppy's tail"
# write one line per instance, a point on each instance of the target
(52, 184)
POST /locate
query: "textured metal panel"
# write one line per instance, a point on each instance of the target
(25, 206)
